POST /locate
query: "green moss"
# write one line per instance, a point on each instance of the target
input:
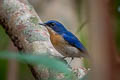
(34, 20)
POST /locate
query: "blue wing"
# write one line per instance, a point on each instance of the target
(73, 40)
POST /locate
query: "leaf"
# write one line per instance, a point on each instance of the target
(45, 60)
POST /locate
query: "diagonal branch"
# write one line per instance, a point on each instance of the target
(21, 24)
(20, 21)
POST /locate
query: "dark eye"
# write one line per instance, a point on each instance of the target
(52, 24)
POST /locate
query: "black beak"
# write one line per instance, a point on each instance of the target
(43, 24)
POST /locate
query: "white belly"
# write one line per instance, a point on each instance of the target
(68, 51)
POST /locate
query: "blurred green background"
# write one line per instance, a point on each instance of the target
(72, 13)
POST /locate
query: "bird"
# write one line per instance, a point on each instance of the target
(65, 42)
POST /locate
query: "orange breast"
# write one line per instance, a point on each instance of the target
(55, 38)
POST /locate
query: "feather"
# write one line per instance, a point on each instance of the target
(73, 40)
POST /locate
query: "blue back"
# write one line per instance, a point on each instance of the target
(68, 36)
(73, 40)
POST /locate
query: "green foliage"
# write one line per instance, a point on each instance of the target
(117, 14)
(86, 63)
(3, 45)
(4, 40)
(3, 70)
(43, 61)
(24, 72)
(81, 26)
(37, 59)
(83, 35)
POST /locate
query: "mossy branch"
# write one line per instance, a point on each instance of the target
(20, 22)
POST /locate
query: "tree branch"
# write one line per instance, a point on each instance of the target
(20, 21)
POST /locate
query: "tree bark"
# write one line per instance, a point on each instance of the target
(20, 21)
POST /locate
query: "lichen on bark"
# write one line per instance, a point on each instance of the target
(21, 23)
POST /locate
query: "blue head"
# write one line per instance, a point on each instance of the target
(55, 25)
